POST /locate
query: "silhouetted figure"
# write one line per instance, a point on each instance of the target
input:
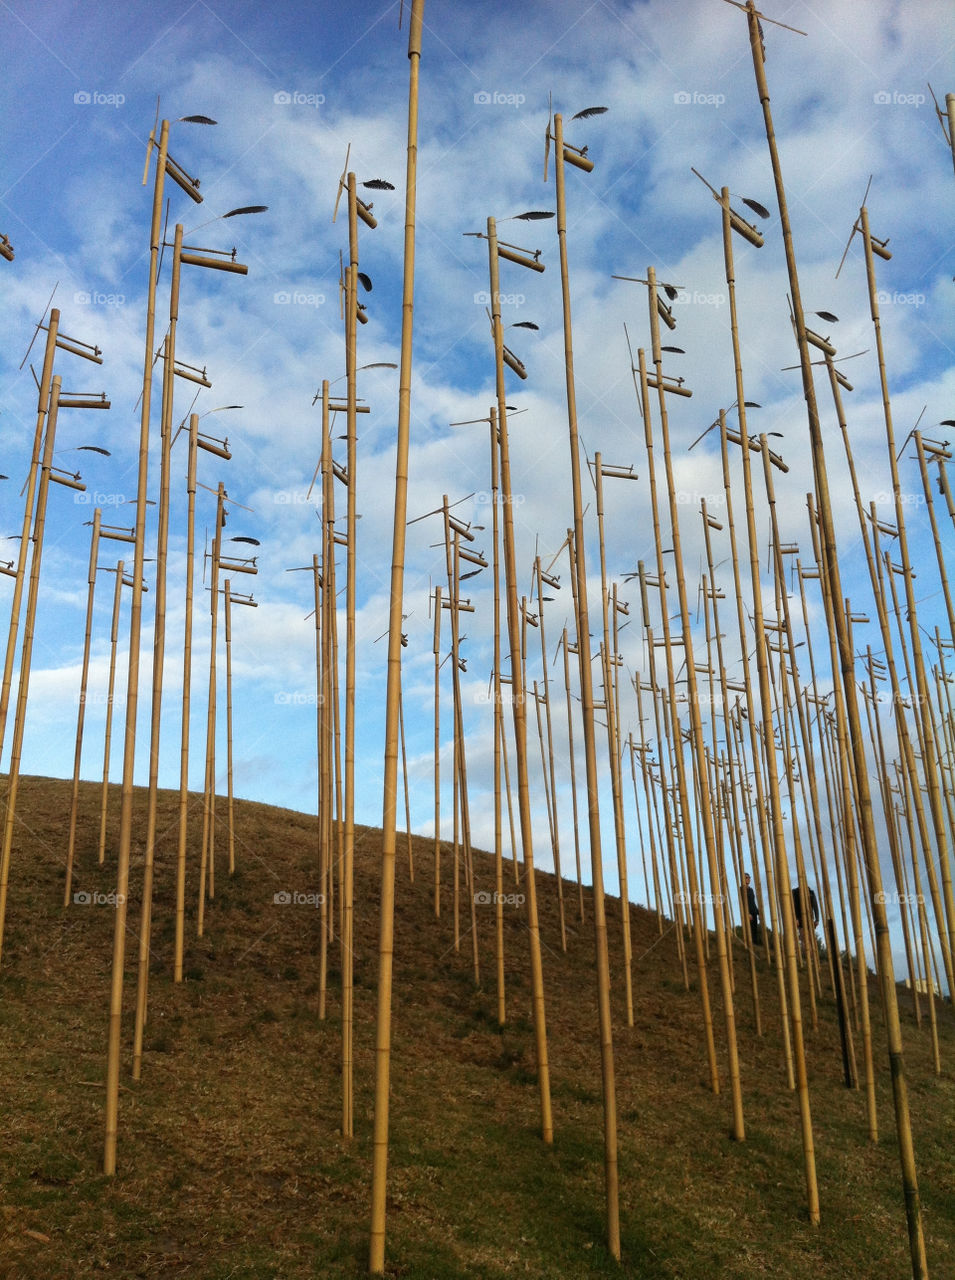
(797, 908)
(752, 909)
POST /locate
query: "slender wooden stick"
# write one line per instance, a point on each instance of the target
(587, 712)
(389, 816)
(81, 712)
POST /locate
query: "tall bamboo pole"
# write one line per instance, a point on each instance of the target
(587, 713)
(390, 787)
(696, 727)
(693, 899)
(518, 697)
(33, 475)
(29, 627)
(831, 568)
(608, 657)
(132, 678)
(207, 855)
(121, 581)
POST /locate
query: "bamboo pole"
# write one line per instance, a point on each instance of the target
(607, 660)
(436, 649)
(110, 698)
(565, 645)
(692, 898)
(550, 773)
(33, 475)
(390, 788)
(29, 628)
(519, 703)
(831, 568)
(696, 728)
(923, 702)
(498, 717)
(132, 679)
(81, 711)
(207, 857)
(587, 712)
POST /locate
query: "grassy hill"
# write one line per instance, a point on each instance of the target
(231, 1162)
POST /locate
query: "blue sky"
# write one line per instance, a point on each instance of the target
(292, 86)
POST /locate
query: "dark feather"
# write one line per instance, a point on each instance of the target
(670, 292)
(525, 324)
(365, 281)
(248, 208)
(197, 120)
(533, 215)
(827, 315)
(757, 207)
(241, 538)
(94, 448)
(676, 350)
(378, 184)
(588, 112)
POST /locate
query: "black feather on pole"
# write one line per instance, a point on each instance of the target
(533, 215)
(828, 316)
(378, 184)
(756, 207)
(248, 208)
(197, 120)
(588, 112)
(365, 281)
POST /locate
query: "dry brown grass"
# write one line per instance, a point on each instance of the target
(231, 1162)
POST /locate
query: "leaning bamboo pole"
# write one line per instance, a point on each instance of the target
(29, 629)
(831, 569)
(696, 723)
(923, 701)
(571, 755)
(110, 700)
(550, 777)
(33, 476)
(608, 658)
(81, 711)
(390, 782)
(498, 736)
(694, 899)
(587, 711)
(518, 698)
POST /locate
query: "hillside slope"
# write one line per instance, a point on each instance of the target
(231, 1162)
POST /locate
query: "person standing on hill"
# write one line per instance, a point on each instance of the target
(797, 908)
(753, 911)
